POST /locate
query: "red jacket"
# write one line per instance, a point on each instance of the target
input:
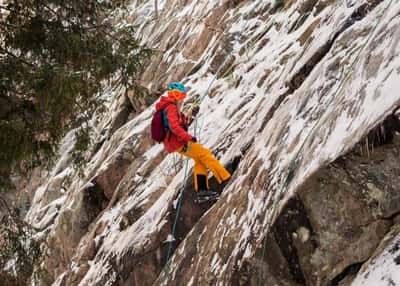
(176, 135)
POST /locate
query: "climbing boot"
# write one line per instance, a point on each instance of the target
(203, 194)
(225, 183)
(206, 196)
(201, 182)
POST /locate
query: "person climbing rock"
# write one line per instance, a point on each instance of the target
(177, 139)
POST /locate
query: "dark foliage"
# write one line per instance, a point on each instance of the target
(55, 58)
(19, 251)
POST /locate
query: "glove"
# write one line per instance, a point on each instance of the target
(194, 139)
(195, 110)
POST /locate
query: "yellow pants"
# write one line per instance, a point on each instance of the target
(203, 160)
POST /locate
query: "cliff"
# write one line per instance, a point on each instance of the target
(299, 101)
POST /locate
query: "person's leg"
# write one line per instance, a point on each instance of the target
(200, 171)
(203, 157)
(200, 175)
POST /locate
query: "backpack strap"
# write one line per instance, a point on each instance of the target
(166, 123)
(165, 119)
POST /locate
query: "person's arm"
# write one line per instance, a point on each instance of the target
(188, 120)
(174, 125)
(191, 115)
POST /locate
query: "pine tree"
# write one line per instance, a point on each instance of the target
(55, 56)
(19, 252)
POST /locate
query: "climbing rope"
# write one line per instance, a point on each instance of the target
(197, 103)
(172, 238)
(229, 68)
(295, 161)
(179, 205)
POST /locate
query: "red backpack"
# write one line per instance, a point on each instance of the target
(158, 126)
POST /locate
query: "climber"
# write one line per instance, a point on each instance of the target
(177, 139)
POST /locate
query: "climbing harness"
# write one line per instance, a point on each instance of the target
(197, 103)
(180, 199)
(294, 163)
(285, 181)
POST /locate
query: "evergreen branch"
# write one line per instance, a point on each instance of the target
(53, 76)
(17, 57)
(6, 8)
(14, 11)
(3, 201)
(59, 17)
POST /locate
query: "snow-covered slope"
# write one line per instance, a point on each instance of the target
(288, 87)
(383, 269)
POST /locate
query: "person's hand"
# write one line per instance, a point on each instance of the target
(194, 139)
(195, 110)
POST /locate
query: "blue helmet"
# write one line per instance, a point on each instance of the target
(177, 86)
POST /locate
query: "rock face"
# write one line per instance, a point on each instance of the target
(299, 100)
(339, 215)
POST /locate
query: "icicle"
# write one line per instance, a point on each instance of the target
(156, 8)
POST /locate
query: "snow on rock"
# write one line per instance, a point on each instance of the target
(335, 118)
(384, 267)
(299, 84)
